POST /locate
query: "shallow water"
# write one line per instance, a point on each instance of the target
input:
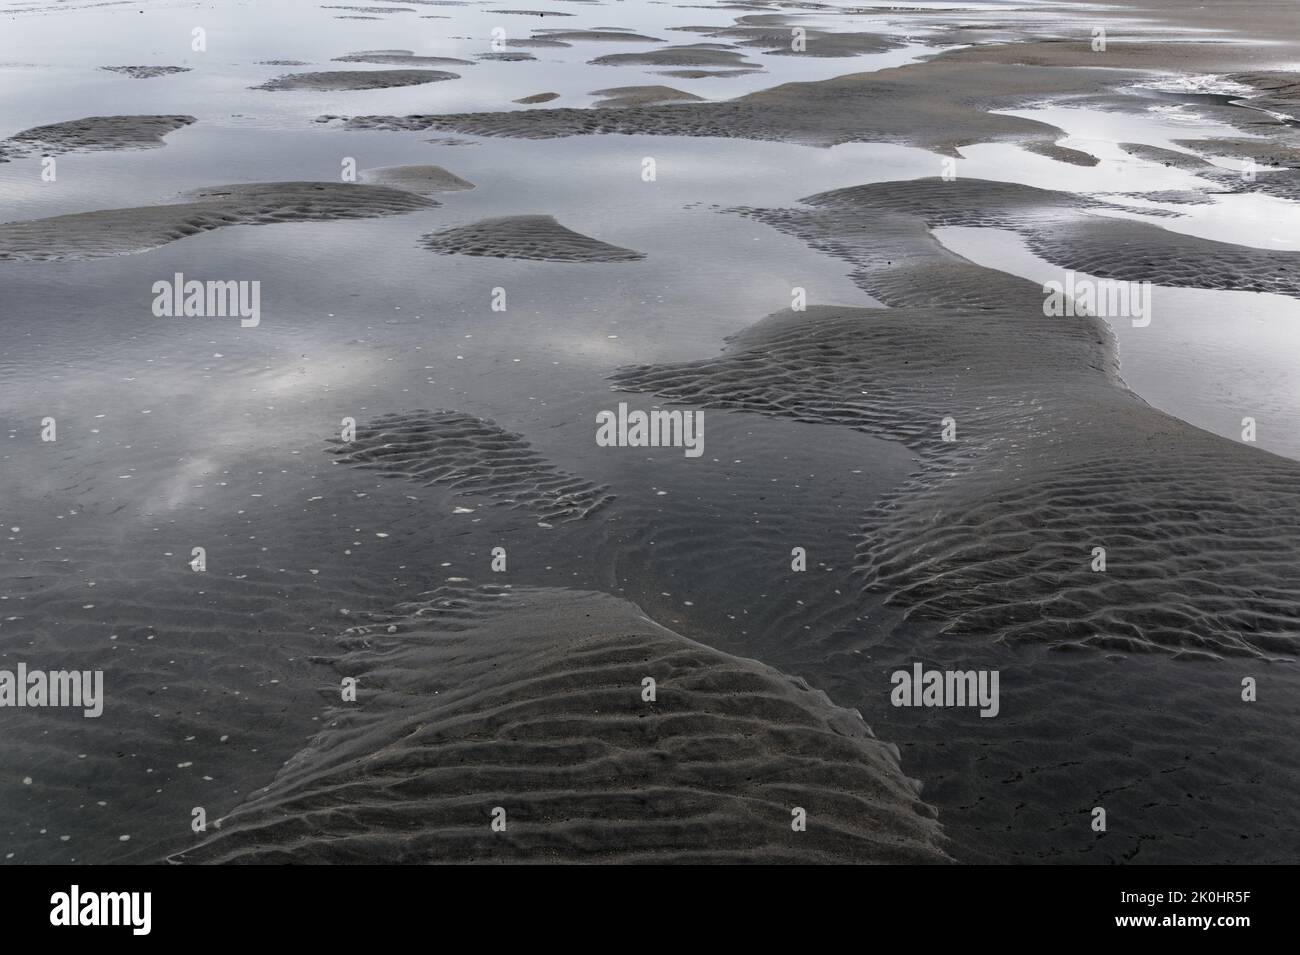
(1209, 357)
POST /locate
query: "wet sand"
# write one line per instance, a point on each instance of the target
(498, 586)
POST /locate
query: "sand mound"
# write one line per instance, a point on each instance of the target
(675, 56)
(616, 36)
(146, 72)
(1137, 251)
(1128, 54)
(505, 56)
(624, 96)
(355, 80)
(531, 700)
(401, 58)
(1166, 157)
(537, 43)
(368, 9)
(124, 231)
(773, 32)
(474, 457)
(532, 13)
(526, 237)
(993, 537)
(425, 180)
(537, 98)
(97, 133)
(1061, 228)
(910, 105)
(704, 74)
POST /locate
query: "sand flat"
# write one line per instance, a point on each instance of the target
(530, 700)
(110, 232)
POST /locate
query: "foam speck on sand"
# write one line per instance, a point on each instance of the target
(425, 180)
(993, 535)
(526, 237)
(356, 80)
(472, 457)
(531, 700)
(146, 72)
(109, 232)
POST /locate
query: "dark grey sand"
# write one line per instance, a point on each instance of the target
(97, 133)
(598, 35)
(537, 43)
(146, 72)
(642, 96)
(537, 98)
(472, 457)
(526, 237)
(506, 56)
(369, 9)
(83, 235)
(1059, 227)
(425, 180)
(909, 105)
(704, 74)
(773, 33)
(530, 700)
(989, 542)
(676, 56)
(1119, 689)
(401, 58)
(356, 79)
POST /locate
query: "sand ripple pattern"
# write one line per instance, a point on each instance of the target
(994, 536)
(1061, 228)
(356, 80)
(474, 457)
(94, 134)
(911, 105)
(105, 232)
(539, 238)
(531, 700)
